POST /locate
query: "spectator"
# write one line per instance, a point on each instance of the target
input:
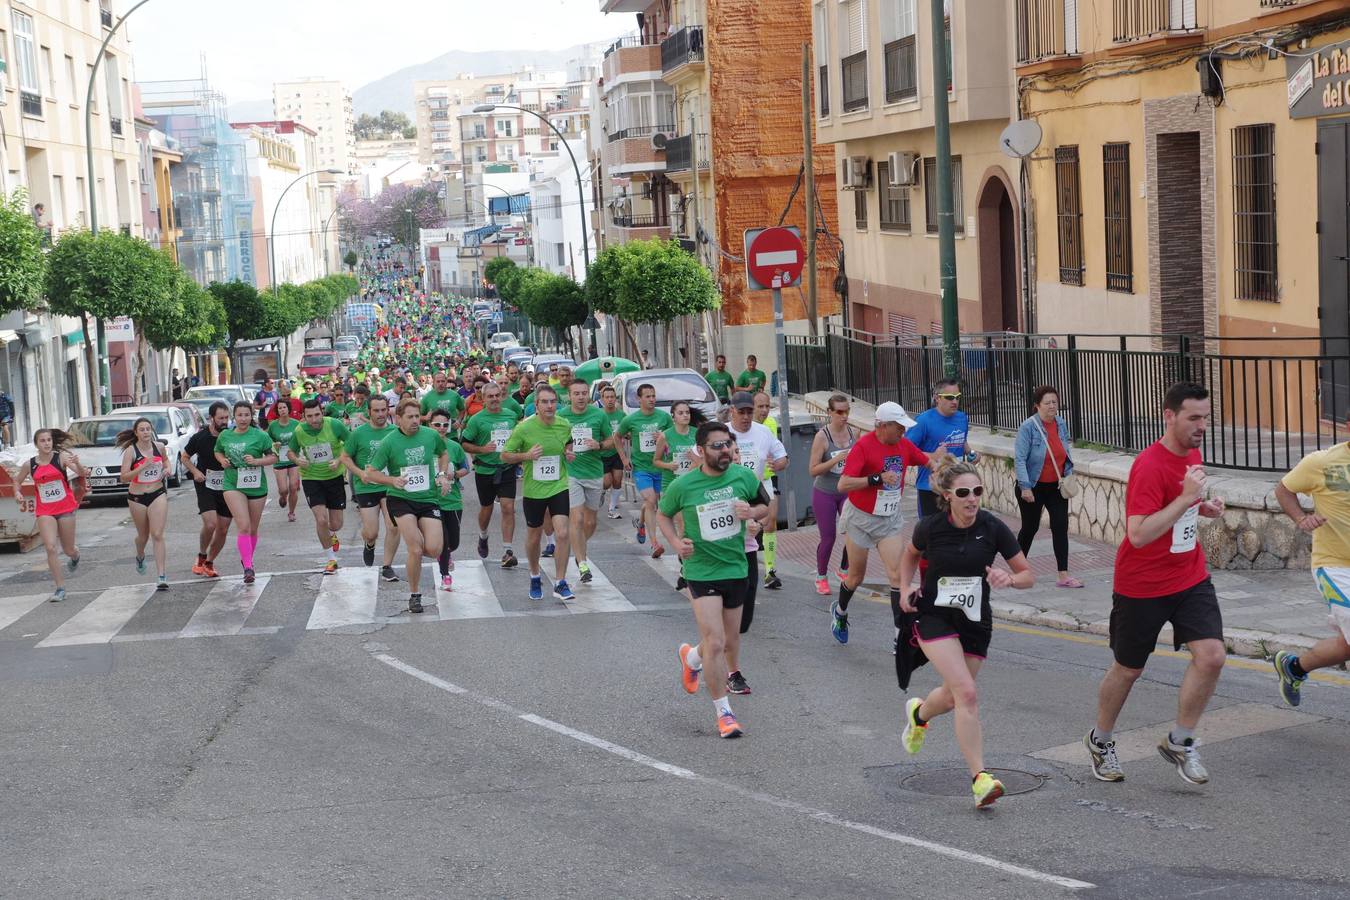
(1041, 461)
(177, 385)
(297, 408)
(6, 418)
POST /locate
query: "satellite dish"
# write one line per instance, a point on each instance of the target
(1020, 139)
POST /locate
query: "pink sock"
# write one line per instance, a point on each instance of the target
(245, 550)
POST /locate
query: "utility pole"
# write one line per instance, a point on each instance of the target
(942, 128)
(809, 164)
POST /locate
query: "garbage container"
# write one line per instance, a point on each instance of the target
(794, 482)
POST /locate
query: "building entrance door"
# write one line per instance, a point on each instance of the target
(997, 229)
(1333, 270)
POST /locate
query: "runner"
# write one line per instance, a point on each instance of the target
(961, 545)
(829, 448)
(760, 452)
(646, 424)
(543, 442)
(613, 462)
(752, 379)
(55, 501)
(338, 408)
(1323, 476)
(450, 500)
(721, 381)
(145, 471)
(591, 434)
(243, 452)
(769, 538)
(442, 397)
(199, 455)
(288, 481)
(485, 434)
(1161, 577)
(371, 504)
(714, 501)
(874, 479)
(317, 447)
(416, 460)
(942, 425)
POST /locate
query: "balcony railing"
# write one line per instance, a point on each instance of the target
(681, 48)
(1045, 29)
(1273, 4)
(680, 153)
(1137, 19)
(639, 131)
(30, 104)
(628, 40)
(650, 220)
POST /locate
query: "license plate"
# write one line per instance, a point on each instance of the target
(102, 482)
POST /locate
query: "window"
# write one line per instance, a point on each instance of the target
(860, 209)
(562, 255)
(1254, 212)
(50, 70)
(25, 58)
(93, 97)
(853, 53)
(1046, 28)
(1135, 19)
(930, 196)
(1069, 215)
(71, 84)
(112, 78)
(1119, 252)
(901, 52)
(822, 49)
(892, 202)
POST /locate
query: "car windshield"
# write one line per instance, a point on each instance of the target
(669, 388)
(222, 393)
(103, 432)
(503, 336)
(348, 344)
(317, 359)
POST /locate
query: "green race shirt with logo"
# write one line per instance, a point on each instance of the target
(281, 437)
(615, 417)
(319, 449)
(721, 383)
(459, 460)
(708, 507)
(752, 381)
(448, 400)
(547, 475)
(485, 428)
(641, 429)
(588, 463)
(676, 446)
(361, 446)
(413, 457)
(234, 447)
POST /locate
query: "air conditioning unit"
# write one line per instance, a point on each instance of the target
(660, 139)
(903, 168)
(856, 173)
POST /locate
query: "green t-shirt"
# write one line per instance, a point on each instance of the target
(614, 418)
(361, 446)
(710, 520)
(337, 410)
(511, 404)
(234, 447)
(485, 428)
(415, 458)
(546, 475)
(459, 460)
(752, 381)
(643, 428)
(320, 448)
(308, 395)
(676, 445)
(721, 383)
(358, 413)
(450, 401)
(281, 436)
(588, 463)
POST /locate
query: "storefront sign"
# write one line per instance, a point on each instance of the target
(1319, 84)
(119, 329)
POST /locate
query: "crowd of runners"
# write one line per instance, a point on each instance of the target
(423, 416)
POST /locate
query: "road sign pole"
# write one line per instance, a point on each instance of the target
(784, 414)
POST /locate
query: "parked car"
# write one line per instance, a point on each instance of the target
(670, 384)
(203, 405)
(501, 340)
(521, 356)
(318, 363)
(96, 447)
(230, 393)
(541, 362)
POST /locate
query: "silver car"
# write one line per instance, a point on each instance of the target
(96, 439)
(670, 385)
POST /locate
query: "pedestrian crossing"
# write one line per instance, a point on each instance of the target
(353, 596)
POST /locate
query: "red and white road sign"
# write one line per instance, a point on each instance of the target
(773, 253)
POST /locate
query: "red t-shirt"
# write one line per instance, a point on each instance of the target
(869, 456)
(1175, 561)
(1055, 455)
(297, 409)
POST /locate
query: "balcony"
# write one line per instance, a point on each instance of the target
(629, 56)
(1046, 29)
(681, 49)
(680, 153)
(639, 228)
(631, 150)
(1135, 20)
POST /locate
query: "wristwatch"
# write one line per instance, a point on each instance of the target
(874, 480)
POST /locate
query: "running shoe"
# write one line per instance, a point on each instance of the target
(642, 532)
(772, 581)
(368, 554)
(445, 582)
(1186, 757)
(290, 516)
(585, 573)
(248, 576)
(140, 565)
(1290, 684)
(614, 514)
(536, 587)
(548, 552)
(680, 583)
(842, 575)
(1105, 764)
(388, 574)
(658, 551)
(57, 595)
(482, 548)
(838, 624)
(688, 676)
(563, 592)
(199, 567)
(162, 584)
(414, 603)
(73, 564)
(986, 789)
(337, 545)
(823, 587)
(914, 733)
(728, 727)
(210, 570)
(736, 684)
(330, 567)
(509, 560)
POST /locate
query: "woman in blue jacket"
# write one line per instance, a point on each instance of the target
(1041, 459)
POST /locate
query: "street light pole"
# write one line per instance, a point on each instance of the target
(272, 232)
(951, 326)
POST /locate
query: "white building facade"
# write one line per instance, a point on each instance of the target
(325, 106)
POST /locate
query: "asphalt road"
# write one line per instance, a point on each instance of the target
(533, 750)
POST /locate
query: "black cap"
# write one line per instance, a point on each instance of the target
(743, 400)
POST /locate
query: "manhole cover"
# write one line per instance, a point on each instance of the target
(955, 782)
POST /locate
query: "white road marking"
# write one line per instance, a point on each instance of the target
(100, 621)
(347, 597)
(792, 806)
(12, 609)
(226, 608)
(471, 597)
(599, 596)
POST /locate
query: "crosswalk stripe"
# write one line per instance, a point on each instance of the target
(225, 609)
(12, 609)
(472, 596)
(668, 566)
(599, 596)
(100, 621)
(347, 597)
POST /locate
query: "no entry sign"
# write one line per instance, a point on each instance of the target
(773, 252)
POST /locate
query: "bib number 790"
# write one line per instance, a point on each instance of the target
(964, 594)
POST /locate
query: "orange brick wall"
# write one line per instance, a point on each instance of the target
(755, 69)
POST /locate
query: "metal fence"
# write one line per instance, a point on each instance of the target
(1270, 408)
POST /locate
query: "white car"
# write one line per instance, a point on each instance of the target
(501, 340)
(230, 393)
(670, 385)
(96, 435)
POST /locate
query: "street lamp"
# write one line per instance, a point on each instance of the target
(272, 232)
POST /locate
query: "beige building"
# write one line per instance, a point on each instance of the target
(325, 106)
(436, 105)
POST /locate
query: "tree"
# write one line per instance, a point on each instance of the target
(197, 321)
(388, 124)
(659, 281)
(350, 260)
(602, 279)
(496, 267)
(23, 267)
(244, 311)
(552, 301)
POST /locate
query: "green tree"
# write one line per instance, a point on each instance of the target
(350, 260)
(496, 267)
(23, 267)
(244, 311)
(602, 279)
(659, 281)
(552, 301)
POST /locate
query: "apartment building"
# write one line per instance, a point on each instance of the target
(435, 106)
(287, 209)
(324, 105)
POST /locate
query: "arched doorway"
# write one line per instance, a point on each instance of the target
(999, 268)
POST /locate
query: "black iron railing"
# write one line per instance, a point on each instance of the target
(680, 153)
(681, 48)
(1269, 408)
(646, 221)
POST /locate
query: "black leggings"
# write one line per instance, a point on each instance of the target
(1046, 496)
(450, 533)
(751, 587)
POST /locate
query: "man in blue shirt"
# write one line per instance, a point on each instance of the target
(944, 425)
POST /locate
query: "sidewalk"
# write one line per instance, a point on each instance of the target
(1263, 611)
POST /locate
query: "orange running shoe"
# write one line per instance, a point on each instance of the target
(199, 567)
(728, 727)
(209, 571)
(687, 675)
(331, 567)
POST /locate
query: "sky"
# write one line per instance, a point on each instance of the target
(249, 44)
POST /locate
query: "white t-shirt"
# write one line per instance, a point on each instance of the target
(758, 446)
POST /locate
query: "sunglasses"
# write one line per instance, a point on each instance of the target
(440, 424)
(978, 491)
(719, 445)
(949, 396)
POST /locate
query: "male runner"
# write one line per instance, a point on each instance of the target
(942, 425)
(337, 409)
(317, 447)
(759, 451)
(613, 463)
(714, 501)
(721, 381)
(1161, 577)
(641, 428)
(769, 538)
(753, 378)
(361, 445)
(199, 455)
(442, 396)
(485, 434)
(591, 433)
(543, 442)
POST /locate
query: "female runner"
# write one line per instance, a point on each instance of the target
(145, 471)
(56, 501)
(288, 480)
(243, 452)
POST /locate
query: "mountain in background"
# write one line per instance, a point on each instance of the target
(250, 111)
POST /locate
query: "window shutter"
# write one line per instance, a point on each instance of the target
(1182, 14)
(1070, 26)
(857, 26)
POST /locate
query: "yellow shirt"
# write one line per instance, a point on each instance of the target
(1325, 477)
(772, 424)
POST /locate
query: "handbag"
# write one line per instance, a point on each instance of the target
(1068, 484)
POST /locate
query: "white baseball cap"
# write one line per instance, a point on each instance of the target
(893, 412)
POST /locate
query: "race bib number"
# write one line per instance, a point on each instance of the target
(964, 594)
(717, 521)
(150, 473)
(684, 462)
(499, 438)
(548, 468)
(838, 468)
(249, 477)
(750, 457)
(215, 479)
(318, 454)
(647, 442)
(52, 491)
(888, 503)
(1184, 532)
(581, 435)
(416, 479)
